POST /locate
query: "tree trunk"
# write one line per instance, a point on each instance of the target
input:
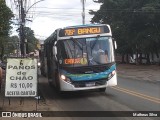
(2, 52)
(156, 51)
(136, 58)
(157, 54)
(152, 54)
(127, 59)
(123, 56)
(148, 59)
(140, 58)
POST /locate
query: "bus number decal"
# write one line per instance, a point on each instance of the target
(69, 32)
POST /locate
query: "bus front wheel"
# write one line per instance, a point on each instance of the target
(57, 81)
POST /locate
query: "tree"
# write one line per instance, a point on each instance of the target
(5, 25)
(5, 19)
(135, 25)
(31, 40)
(13, 44)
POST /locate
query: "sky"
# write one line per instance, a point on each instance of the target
(49, 15)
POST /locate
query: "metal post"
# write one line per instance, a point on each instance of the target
(22, 23)
(23, 43)
(83, 11)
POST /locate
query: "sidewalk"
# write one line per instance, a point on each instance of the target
(139, 72)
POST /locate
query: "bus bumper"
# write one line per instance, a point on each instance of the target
(65, 86)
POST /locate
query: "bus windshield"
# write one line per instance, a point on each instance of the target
(86, 51)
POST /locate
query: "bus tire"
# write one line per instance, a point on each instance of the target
(102, 89)
(57, 81)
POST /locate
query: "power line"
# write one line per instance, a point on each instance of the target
(128, 10)
(63, 8)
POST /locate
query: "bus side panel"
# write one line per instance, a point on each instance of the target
(45, 66)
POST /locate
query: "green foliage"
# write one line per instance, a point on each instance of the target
(5, 19)
(9, 45)
(135, 24)
(5, 26)
(31, 40)
(12, 45)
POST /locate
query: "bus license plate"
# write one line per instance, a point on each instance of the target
(90, 84)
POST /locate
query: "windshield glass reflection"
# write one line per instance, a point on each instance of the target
(86, 51)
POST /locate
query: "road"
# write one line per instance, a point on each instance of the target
(129, 95)
(138, 95)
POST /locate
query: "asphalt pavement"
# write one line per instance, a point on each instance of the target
(129, 95)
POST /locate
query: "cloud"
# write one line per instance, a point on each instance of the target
(49, 15)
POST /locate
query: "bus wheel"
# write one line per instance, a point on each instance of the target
(102, 89)
(57, 82)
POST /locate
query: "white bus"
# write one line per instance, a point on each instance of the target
(80, 58)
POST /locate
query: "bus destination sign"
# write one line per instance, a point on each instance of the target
(83, 31)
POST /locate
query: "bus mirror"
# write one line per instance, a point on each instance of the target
(54, 50)
(115, 44)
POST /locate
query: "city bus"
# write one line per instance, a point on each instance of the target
(80, 58)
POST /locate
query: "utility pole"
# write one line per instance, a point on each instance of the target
(22, 24)
(83, 11)
(22, 17)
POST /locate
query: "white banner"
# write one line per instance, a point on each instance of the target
(21, 77)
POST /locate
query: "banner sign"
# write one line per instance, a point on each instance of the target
(21, 77)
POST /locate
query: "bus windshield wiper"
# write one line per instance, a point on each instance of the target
(76, 42)
(95, 42)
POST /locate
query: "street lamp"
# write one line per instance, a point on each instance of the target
(33, 5)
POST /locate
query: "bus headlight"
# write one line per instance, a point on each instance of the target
(39, 64)
(111, 74)
(63, 77)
